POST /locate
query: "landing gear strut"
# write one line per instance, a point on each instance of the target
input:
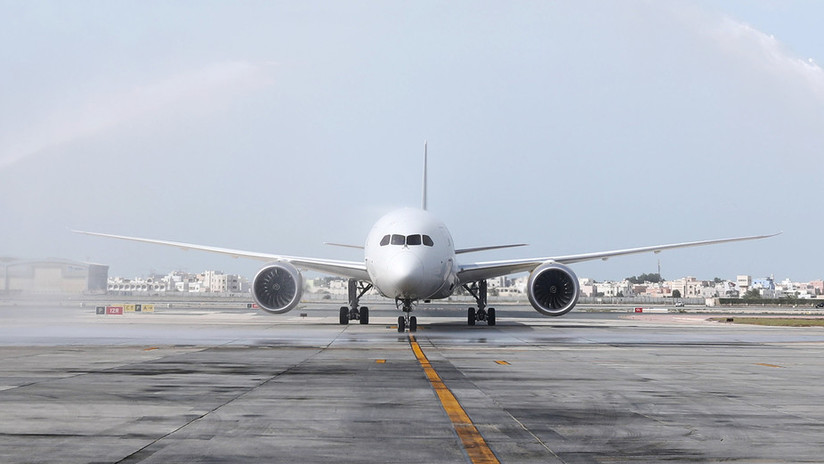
(478, 291)
(355, 312)
(406, 320)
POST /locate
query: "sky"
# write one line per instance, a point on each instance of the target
(573, 126)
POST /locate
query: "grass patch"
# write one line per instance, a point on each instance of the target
(774, 321)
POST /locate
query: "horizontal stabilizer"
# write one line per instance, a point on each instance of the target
(359, 247)
(494, 247)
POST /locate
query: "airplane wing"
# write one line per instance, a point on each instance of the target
(350, 269)
(487, 270)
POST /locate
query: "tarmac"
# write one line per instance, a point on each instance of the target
(241, 386)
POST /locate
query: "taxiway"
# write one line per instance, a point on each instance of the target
(240, 386)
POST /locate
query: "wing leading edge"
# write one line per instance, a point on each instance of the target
(487, 270)
(349, 269)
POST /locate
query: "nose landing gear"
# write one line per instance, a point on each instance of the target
(406, 320)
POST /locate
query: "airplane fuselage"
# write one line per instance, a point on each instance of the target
(410, 255)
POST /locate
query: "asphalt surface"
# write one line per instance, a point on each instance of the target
(240, 386)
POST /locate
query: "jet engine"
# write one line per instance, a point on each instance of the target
(277, 288)
(552, 289)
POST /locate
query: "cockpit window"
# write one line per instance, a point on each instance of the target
(408, 240)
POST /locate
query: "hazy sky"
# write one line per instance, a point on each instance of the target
(275, 126)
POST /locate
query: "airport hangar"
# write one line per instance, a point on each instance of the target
(51, 276)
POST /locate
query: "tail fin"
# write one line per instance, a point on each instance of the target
(423, 199)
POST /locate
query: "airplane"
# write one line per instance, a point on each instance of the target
(409, 256)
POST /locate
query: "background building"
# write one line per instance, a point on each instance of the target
(180, 282)
(52, 276)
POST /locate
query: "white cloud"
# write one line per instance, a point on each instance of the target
(767, 53)
(198, 90)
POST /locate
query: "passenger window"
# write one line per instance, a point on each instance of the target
(427, 240)
(413, 239)
(385, 240)
(398, 239)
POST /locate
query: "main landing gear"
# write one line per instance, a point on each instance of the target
(478, 291)
(406, 320)
(355, 312)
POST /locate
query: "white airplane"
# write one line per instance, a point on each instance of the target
(409, 256)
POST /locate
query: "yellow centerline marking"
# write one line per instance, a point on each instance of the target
(769, 365)
(380, 361)
(473, 442)
(503, 363)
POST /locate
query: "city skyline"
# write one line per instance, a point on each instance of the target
(311, 277)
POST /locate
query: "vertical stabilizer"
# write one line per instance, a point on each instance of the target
(423, 199)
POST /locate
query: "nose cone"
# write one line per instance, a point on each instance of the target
(405, 276)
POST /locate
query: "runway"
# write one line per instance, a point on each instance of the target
(239, 386)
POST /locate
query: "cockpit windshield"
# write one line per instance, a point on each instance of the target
(408, 240)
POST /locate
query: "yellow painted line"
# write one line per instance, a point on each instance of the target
(150, 349)
(380, 361)
(769, 365)
(503, 363)
(474, 444)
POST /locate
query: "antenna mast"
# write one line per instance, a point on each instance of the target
(423, 199)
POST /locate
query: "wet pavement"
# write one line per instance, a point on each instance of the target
(240, 386)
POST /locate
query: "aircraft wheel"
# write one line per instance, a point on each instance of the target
(401, 324)
(490, 316)
(413, 324)
(470, 316)
(344, 315)
(364, 315)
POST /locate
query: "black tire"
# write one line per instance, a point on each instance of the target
(413, 324)
(364, 315)
(490, 316)
(401, 324)
(344, 315)
(470, 316)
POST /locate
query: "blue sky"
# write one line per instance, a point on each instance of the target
(277, 126)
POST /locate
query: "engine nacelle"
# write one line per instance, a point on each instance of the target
(277, 288)
(553, 289)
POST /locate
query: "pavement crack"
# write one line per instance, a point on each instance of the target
(146, 450)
